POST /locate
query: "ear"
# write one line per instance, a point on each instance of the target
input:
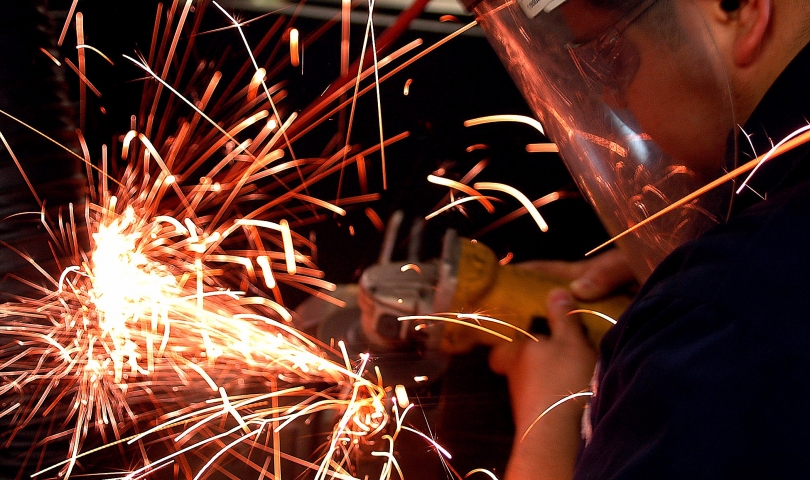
(752, 19)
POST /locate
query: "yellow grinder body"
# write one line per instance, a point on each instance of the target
(511, 294)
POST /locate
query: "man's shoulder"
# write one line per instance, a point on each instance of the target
(759, 256)
(709, 364)
(752, 273)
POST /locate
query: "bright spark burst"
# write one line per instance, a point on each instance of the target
(158, 332)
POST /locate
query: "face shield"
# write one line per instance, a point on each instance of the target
(637, 101)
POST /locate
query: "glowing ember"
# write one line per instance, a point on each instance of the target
(527, 204)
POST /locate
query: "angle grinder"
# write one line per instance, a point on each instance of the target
(411, 315)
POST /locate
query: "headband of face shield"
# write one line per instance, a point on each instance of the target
(593, 81)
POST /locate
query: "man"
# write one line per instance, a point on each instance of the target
(705, 375)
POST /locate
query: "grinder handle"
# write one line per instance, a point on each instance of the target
(514, 295)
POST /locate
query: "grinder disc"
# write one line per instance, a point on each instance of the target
(409, 366)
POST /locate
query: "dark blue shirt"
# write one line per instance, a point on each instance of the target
(707, 374)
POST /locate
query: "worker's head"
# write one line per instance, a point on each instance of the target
(642, 96)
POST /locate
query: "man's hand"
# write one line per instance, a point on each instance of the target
(544, 372)
(591, 279)
(540, 374)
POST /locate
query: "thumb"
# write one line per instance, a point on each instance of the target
(561, 324)
(604, 275)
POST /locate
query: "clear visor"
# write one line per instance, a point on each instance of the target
(619, 104)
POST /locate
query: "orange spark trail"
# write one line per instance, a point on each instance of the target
(48, 54)
(542, 148)
(456, 203)
(463, 188)
(544, 200)
(477, 146)
(594, 312)
(505, 260)
(345, 24)
(552, 407)
(506, 118)
(460, 321)
(67, 22)
(407, 89)
(527, 204)
(89, 47)
(85, 81)
(295, 59)
(375, 219)
(82, 71)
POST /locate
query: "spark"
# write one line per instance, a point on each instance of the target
(463, 188)
(481, 470)
(295, 59)
(506, 118)
(783, 147)
(179, 95)
(345, 23)
(99, 52)
(402, 396)
(544, 200)
(477, 317)
(458, 322)
(19, 167)
(407, 89)
(9, 410)
(542, 148)
(375, 219)
(85, 81)
(369, 34)
(411, 266)
(456, 203)
(477, 146)
(432, 442)
(506, 259)
(50, 139)
(253, 90)
(321, 203)
(49, 55)
(361, 173)
(527, 204)
(267, 271)
(286, 237)
(594, 312)
(81, 71)
(366, 198)
(67, 22)
(339, 91)
(770, 153)
(552, 407)
(283, 131)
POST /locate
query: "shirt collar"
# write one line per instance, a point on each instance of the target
(784, 109)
